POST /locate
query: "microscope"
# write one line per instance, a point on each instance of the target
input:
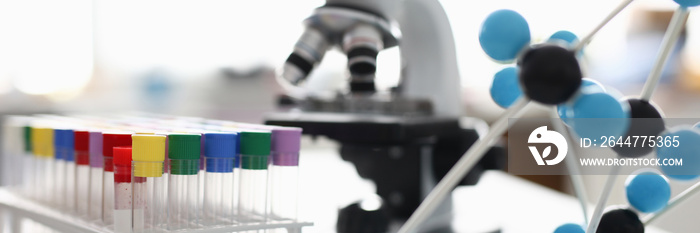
(405, 140)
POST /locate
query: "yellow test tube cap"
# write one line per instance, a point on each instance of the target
(148, 154)
(42, 141)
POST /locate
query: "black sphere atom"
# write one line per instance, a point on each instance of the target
(549, 74)
(645, 121)
(620, 221)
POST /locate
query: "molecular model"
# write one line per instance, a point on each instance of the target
(549, 73)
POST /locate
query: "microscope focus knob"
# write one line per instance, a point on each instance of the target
(648, 192)
(620, 221)
(550, 74)
(369, 215)
(645, 121)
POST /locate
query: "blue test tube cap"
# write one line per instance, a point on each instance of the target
(220, 150)
(63, 144)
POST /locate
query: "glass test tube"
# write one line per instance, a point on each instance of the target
(29, 163)
(148, 182)
(255, 151)
(201, 173)
(284, 173)
(109, 141)
(220, 150)
(8, 156)
(183, 181)
(42, 147)
(96, 163)
(13, 161)
(237, 180)
(122, 190)
(82, 172)
(59, 177)
(69, 197)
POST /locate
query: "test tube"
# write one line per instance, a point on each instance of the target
(109, 141)
(59, 178)
(149, 185)
(8, 153)
(201, 175)
(255, 151)
(122, 190)
(42, 147)
(237, 180)
(69, 158)
(183, 181)
(96, 163)
(29, 163)
(82, 172)
(284, 173)
(220, 150)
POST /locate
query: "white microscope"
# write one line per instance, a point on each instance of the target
(404, 141)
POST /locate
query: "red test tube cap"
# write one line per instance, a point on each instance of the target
(111, 140)
(122, 156)
(122, 164)
(81, 144)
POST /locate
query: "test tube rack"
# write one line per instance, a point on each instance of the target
(15, 208)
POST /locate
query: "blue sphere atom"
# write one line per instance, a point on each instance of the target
(597, 114)
(687, 3)
(587, 85)
(648, 192)
(566, 36)
(569, 228)
(590, 85)
(687, 148)
(504, 34)
(505, 89)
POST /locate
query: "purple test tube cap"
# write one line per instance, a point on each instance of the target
(286, 143)
(95, 146)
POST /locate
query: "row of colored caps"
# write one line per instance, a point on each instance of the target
(187, 146)
(62, 143)
(181, 147)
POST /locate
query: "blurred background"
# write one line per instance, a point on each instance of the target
(217, 58)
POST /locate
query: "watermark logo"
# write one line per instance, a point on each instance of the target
(543, 136)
